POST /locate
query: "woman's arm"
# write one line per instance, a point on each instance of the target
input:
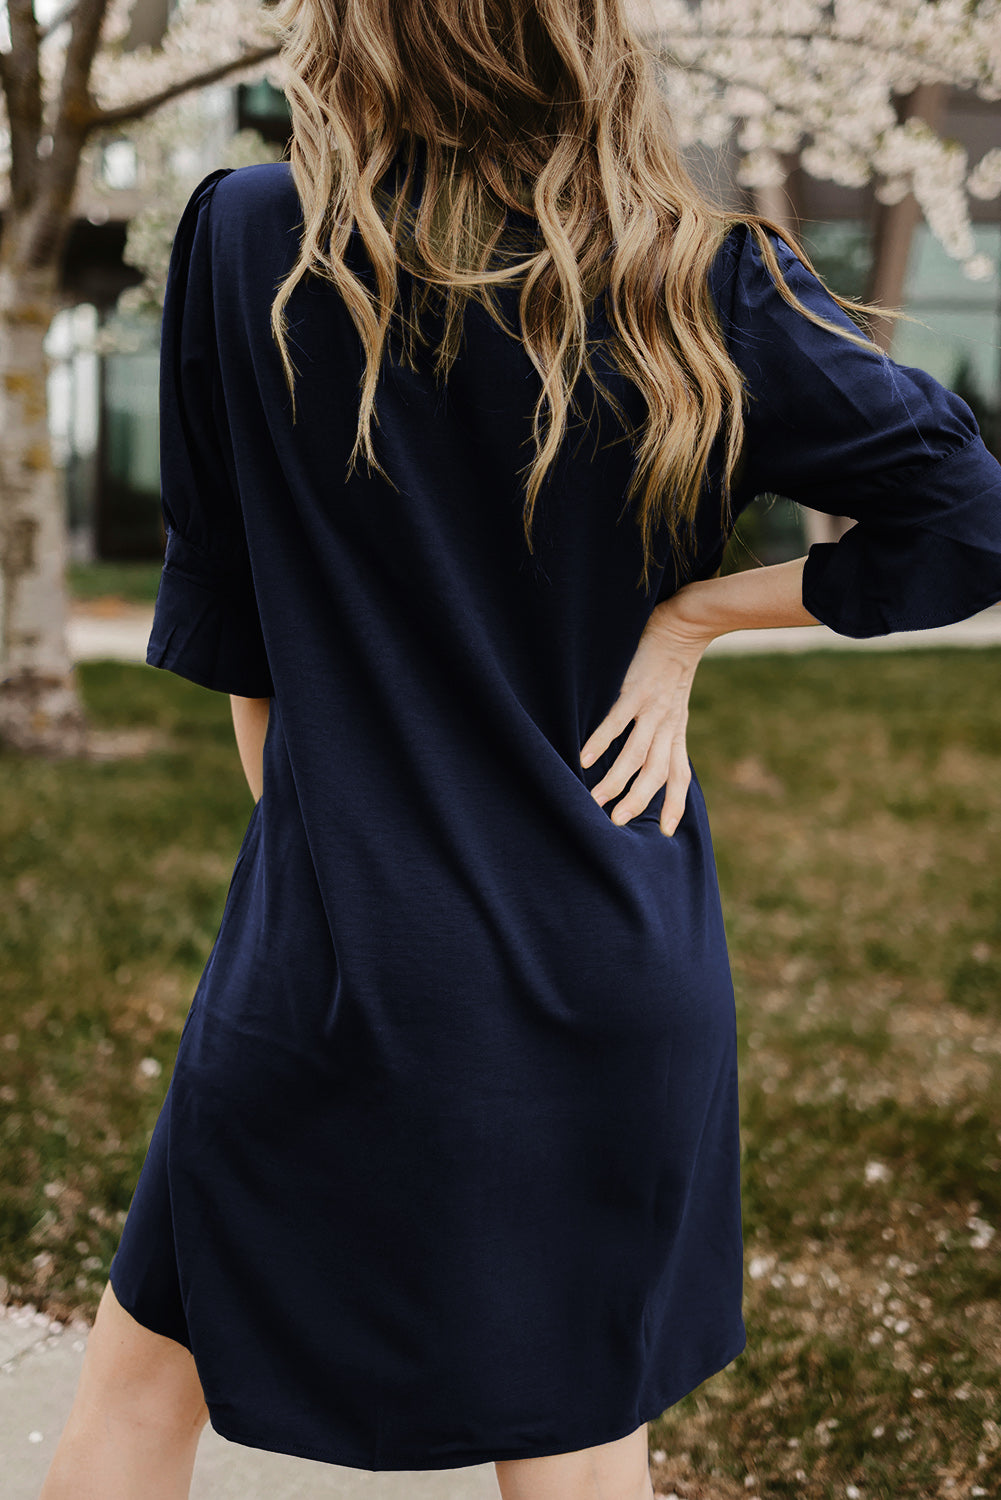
(756, 599)
(250, 722)
(655, 690)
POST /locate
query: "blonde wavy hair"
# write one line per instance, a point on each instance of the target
(550, 110)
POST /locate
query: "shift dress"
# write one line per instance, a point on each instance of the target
(448, 1168)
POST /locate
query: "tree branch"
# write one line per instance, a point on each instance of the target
(22, 86)
(54, 22)
(896, 223)
(74, 96)
(136, 109)
(57, 173)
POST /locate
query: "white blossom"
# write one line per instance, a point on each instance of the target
(820, 81)
(759, 1266)
(983, 1233)
(980, 268)
(985, 182)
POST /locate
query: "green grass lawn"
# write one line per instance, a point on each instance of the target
(135, 582)
(856, 809)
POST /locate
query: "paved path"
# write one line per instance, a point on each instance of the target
(109, 633)
(980, 630)
(121, 635)
(39, 1367)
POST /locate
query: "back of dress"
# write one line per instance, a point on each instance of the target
(432, 680)
(451, 1147)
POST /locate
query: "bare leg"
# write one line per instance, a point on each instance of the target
(136, 1417)
(611, 1471)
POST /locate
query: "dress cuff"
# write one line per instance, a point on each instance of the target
(900, 573)
(207, 630)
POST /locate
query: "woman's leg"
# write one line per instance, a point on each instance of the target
(136, 1417)
(612, 1471)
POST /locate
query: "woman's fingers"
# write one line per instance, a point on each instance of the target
(647, 700)
(652, 774)
(628, 761)
(646, 756)
(678, 781)
(654, 699)
(615, 721)
(666, 765)
(654, 755)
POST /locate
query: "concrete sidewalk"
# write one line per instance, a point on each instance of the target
(39, 1368)
(105, 630)
(983, 629)
(121, 633)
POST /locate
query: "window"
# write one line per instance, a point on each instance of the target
(119, 164)
(958, 338)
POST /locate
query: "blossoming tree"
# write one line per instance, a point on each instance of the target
(850, 89)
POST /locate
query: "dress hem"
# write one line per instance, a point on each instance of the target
(419, 1463)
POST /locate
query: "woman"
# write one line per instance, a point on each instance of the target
(458, 408)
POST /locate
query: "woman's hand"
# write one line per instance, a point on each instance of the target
(654, 698)
(654, 693)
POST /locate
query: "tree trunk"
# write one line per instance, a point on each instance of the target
(40, 709)
(895, 224)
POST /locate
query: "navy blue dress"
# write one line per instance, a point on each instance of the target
(448, 1169)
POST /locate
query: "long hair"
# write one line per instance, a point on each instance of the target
(545, 118)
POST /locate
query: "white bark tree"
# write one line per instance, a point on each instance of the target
(833, 84)
(63, 84)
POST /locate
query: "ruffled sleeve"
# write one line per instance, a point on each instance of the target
(850, 432)
(206, 623)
